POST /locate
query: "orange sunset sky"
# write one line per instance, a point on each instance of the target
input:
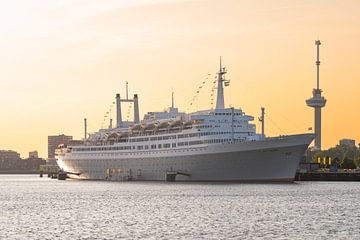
(61, 61)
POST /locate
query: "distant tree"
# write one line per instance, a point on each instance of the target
(357, 158)
(348, 164)
(344, 156)
(311, 155)
(336, 161)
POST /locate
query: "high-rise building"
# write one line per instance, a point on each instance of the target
(54, 141)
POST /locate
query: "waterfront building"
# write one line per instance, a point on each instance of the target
(54, 141)
(9, 159)
(9, 155)
(347, 142)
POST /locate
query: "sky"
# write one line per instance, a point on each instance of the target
(61, 61)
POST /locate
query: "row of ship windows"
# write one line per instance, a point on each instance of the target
(164, 137)
(211, 126)
(227, 113)
(178, 136)
(154, 146)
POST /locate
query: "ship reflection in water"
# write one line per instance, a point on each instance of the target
(40, 208)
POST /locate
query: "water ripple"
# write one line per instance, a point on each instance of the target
(41, 208)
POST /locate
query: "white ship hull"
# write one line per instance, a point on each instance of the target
(274, 159)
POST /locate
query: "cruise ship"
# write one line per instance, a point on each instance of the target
(216, 145)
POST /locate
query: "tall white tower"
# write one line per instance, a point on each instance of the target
(317, 101)
(220, 89)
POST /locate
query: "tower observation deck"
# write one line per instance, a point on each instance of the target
(317, 101)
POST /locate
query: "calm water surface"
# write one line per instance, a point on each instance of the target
(42, 208)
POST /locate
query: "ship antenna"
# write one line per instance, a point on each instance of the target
(127, 91)
(318, 43)
(220, 65)
(172, 98)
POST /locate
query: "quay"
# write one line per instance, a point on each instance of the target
(19, 172)
(52, 171)
(328, 176)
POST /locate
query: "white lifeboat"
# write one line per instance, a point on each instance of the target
(176, 123)
(163, 125)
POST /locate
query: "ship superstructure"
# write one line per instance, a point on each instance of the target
(218, 144)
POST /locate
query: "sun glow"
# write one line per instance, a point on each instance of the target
(62, 61)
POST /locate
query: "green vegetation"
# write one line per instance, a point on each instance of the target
(344, 156)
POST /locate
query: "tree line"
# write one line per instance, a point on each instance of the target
(343, 156)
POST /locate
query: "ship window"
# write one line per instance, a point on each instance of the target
(159, 146)
(153, 146)
(174, 145)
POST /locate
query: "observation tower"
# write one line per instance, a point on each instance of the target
(317, 101)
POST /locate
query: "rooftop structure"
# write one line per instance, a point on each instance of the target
(33, 154)
(347, 142)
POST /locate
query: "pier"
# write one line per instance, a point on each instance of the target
(328, 176)
(52, 171)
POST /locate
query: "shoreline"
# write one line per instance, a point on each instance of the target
(19, 172)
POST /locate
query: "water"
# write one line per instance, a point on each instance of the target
(42, 208)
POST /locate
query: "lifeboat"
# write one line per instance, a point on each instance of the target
(188, 123)
(112, 136)
(163, 125)
(123, 135)
(150, 126)
(176, 124)
(136, 127)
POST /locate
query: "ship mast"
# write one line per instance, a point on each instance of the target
(220, 90)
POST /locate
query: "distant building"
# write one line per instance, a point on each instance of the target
(32, 163)
(347, 142)
(9, 159)
(33, 154)
(9, 155)
(54, 141)
(10, 162)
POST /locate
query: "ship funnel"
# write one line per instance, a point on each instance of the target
(118, 111)
(136, 109)
(85, 129)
